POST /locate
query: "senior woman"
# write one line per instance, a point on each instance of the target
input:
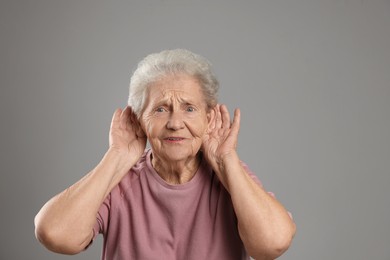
(188, 197)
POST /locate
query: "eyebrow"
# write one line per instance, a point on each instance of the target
(184, 101)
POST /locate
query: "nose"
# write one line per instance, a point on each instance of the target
(175, 121)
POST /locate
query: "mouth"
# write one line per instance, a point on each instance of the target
(174, 139)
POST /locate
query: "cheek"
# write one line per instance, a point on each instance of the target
(198, 127)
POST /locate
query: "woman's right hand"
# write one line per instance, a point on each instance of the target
(127, 138)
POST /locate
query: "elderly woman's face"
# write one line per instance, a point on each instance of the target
(175, 117)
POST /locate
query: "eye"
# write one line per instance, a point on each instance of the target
(190, 109)
(160, 109)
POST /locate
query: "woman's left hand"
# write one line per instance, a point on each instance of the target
(220, 140)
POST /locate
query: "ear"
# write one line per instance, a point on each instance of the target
(210, 117)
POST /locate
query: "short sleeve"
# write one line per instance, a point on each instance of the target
(102, 217)
(101, 220)
(256, 179)
(251, 174)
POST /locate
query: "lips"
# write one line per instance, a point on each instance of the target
(174, 139)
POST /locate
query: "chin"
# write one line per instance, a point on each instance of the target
(178, 154)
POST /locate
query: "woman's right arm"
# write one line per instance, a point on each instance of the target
(65, 223)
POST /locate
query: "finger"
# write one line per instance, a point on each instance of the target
(115, 117)
(235, 128)
(123, 118)
(218, 119)
(126, 114)
(225, 117)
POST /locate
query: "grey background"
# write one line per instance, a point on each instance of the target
(311, 78)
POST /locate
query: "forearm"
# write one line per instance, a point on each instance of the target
(65, 223)
(264, 225)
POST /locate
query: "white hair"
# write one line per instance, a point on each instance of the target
(171, 62)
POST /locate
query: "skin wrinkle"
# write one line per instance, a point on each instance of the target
(166, 115)
(179, 138)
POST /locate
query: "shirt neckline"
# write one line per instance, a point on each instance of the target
(191, 183)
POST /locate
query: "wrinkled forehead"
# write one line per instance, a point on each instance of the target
(178, 87)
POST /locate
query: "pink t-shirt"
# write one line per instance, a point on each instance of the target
(146, 218)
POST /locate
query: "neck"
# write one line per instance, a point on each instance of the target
(176, 172)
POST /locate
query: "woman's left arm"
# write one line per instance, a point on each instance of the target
(264, 225)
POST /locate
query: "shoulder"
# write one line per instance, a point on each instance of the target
(134, 174)
(142, 162)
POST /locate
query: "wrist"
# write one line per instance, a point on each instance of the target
(229, 158)
(226, 161)
(228, 168)
(119, 159)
